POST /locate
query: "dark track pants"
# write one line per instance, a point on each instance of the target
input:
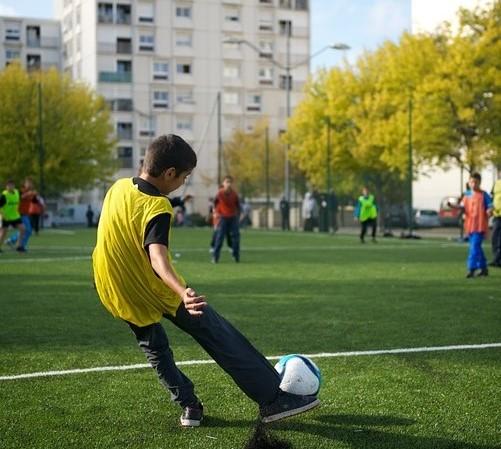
(227, 226)
(365, 224)
(250, 370)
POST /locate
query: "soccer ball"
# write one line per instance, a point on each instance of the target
(299, 375)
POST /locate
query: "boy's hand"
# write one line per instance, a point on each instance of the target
(193, 303)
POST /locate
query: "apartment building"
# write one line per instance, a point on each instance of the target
(35, 43)
(161, 64)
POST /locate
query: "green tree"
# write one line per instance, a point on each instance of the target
(246, 160)
(77, 132)
(462, 97)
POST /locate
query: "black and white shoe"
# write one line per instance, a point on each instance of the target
(286, 405)
(192, 415)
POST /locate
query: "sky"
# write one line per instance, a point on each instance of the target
(361, 24)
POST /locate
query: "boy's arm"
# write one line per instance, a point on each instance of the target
(161, 265)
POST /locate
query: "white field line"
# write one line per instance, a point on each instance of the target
(276, 357)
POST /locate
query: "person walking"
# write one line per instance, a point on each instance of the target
(496, 225)
(90, 216)
(310, 212)
(137, 283)
(477, 206)
(227, 207)
(36, 210)
(366, 214)
(284, 213)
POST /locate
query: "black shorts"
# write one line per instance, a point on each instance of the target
(13, 223)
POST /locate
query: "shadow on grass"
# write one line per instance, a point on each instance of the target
(361, 431)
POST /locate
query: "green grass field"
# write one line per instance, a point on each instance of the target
(292, 292)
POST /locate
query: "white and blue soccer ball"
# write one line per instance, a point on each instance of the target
(299, 375)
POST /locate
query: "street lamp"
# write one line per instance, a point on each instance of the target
(288, 67)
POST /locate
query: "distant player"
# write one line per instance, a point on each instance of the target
(477, 206)
(136, 281)
(366, 213)
(11, 217)
(227, 209)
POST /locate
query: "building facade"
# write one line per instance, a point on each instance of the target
(35, 43)
(161, 64)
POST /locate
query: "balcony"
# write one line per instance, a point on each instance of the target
(115, 77)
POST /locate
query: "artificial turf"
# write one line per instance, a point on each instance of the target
(292, 292)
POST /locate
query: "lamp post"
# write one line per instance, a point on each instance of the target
(288, 67)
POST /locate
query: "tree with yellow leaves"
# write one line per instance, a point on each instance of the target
(77, 132)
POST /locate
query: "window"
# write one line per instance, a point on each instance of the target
(12, 31)
(232, 15)
(124, 66)
(183, 40)
(266, 49)
(285, 82)
(183, 11)
(302, 5)
(265, 24)
(124, 130)
(160, 99)
(12, 54)
(231, 98)
(285, 4)
(285, 27)
(185, 97)
(124, 45)
(145, 13)
(120, 104)
(160, 70)
(146, 42)
(184, 69)
(231, 71)
(124, 155)
(123, 14)
(147, 126)
(254, 102)
(265, 75)
(105, 13)
(33, 62)
(33, 36)
(184, 124)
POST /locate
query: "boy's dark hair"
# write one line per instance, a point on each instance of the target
(228, 177)
(476, 176)
(169, 151)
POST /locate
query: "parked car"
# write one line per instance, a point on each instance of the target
(449, 216)
(426, 218)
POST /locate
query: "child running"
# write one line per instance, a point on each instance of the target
(136, 282)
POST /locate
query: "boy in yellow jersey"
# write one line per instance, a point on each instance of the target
(136, 281)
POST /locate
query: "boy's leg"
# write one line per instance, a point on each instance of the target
(27, 230)
(472, 255)
(153, 341)
(220, 233)
(481, 260)
(235, 237)
(374, 227)
(363, 230)
(250, 370)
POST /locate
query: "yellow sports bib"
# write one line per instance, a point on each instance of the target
(126, 283)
